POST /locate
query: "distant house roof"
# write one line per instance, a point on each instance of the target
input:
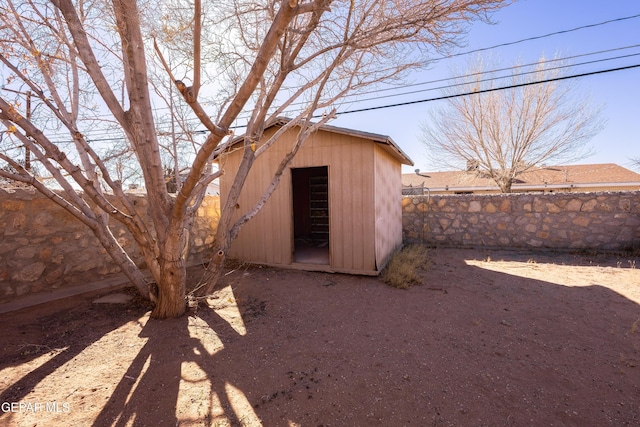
(385, 140)
(547, 177)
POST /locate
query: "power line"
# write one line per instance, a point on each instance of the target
(506, 68)
(513, 43)
(105, 139)
(97, 137)
(517, 42)
(555, 33)
(515, 67)
(498, 77)
(503, 45)
(439, 98)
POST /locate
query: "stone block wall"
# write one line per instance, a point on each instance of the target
(586, 221)
(42, 247)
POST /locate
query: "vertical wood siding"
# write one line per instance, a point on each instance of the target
(364, 201)
(388, 207)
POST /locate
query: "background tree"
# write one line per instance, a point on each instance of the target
(249, 60)
(501, 133)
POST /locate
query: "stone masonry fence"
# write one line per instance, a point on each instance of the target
(43, 247)
(606, 221)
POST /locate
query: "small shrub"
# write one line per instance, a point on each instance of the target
(402, 270)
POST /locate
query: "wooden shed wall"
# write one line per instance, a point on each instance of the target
(351, 202)
(268, 238)
(388, 206)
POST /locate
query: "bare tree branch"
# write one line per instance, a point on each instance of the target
(502, 134)
(91, 66)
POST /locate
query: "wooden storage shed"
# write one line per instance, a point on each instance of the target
(337, 208)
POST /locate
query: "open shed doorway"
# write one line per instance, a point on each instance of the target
(310, 188)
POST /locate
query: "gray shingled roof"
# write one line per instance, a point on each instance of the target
(385, 140)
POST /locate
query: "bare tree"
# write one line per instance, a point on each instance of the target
(251, 59)
(506, 126)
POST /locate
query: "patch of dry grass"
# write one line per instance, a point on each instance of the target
(402, 270)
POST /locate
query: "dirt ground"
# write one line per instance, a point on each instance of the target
(491, 338)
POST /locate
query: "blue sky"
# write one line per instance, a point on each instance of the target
(618, 92)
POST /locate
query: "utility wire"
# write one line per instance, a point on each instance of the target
(555, 33)
(469, 75)
(485, 90)
(515, 67)
(97, 138)
(483, 72)
(487, 79)
(439, 98)
(498, 77)
(504, 69)
(508, 44)
(517, 42)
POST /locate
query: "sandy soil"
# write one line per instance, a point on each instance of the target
(491, 338)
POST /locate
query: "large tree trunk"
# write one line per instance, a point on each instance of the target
(171, 290)
(172, 278)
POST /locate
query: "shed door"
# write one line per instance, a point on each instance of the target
(310, 188)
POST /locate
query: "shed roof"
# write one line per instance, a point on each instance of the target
(384, 140)
(578, 175)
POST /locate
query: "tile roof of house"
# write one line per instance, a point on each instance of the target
(578, 175)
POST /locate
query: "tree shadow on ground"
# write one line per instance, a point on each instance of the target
(471, 346)
(59, 327)
(184, 374)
